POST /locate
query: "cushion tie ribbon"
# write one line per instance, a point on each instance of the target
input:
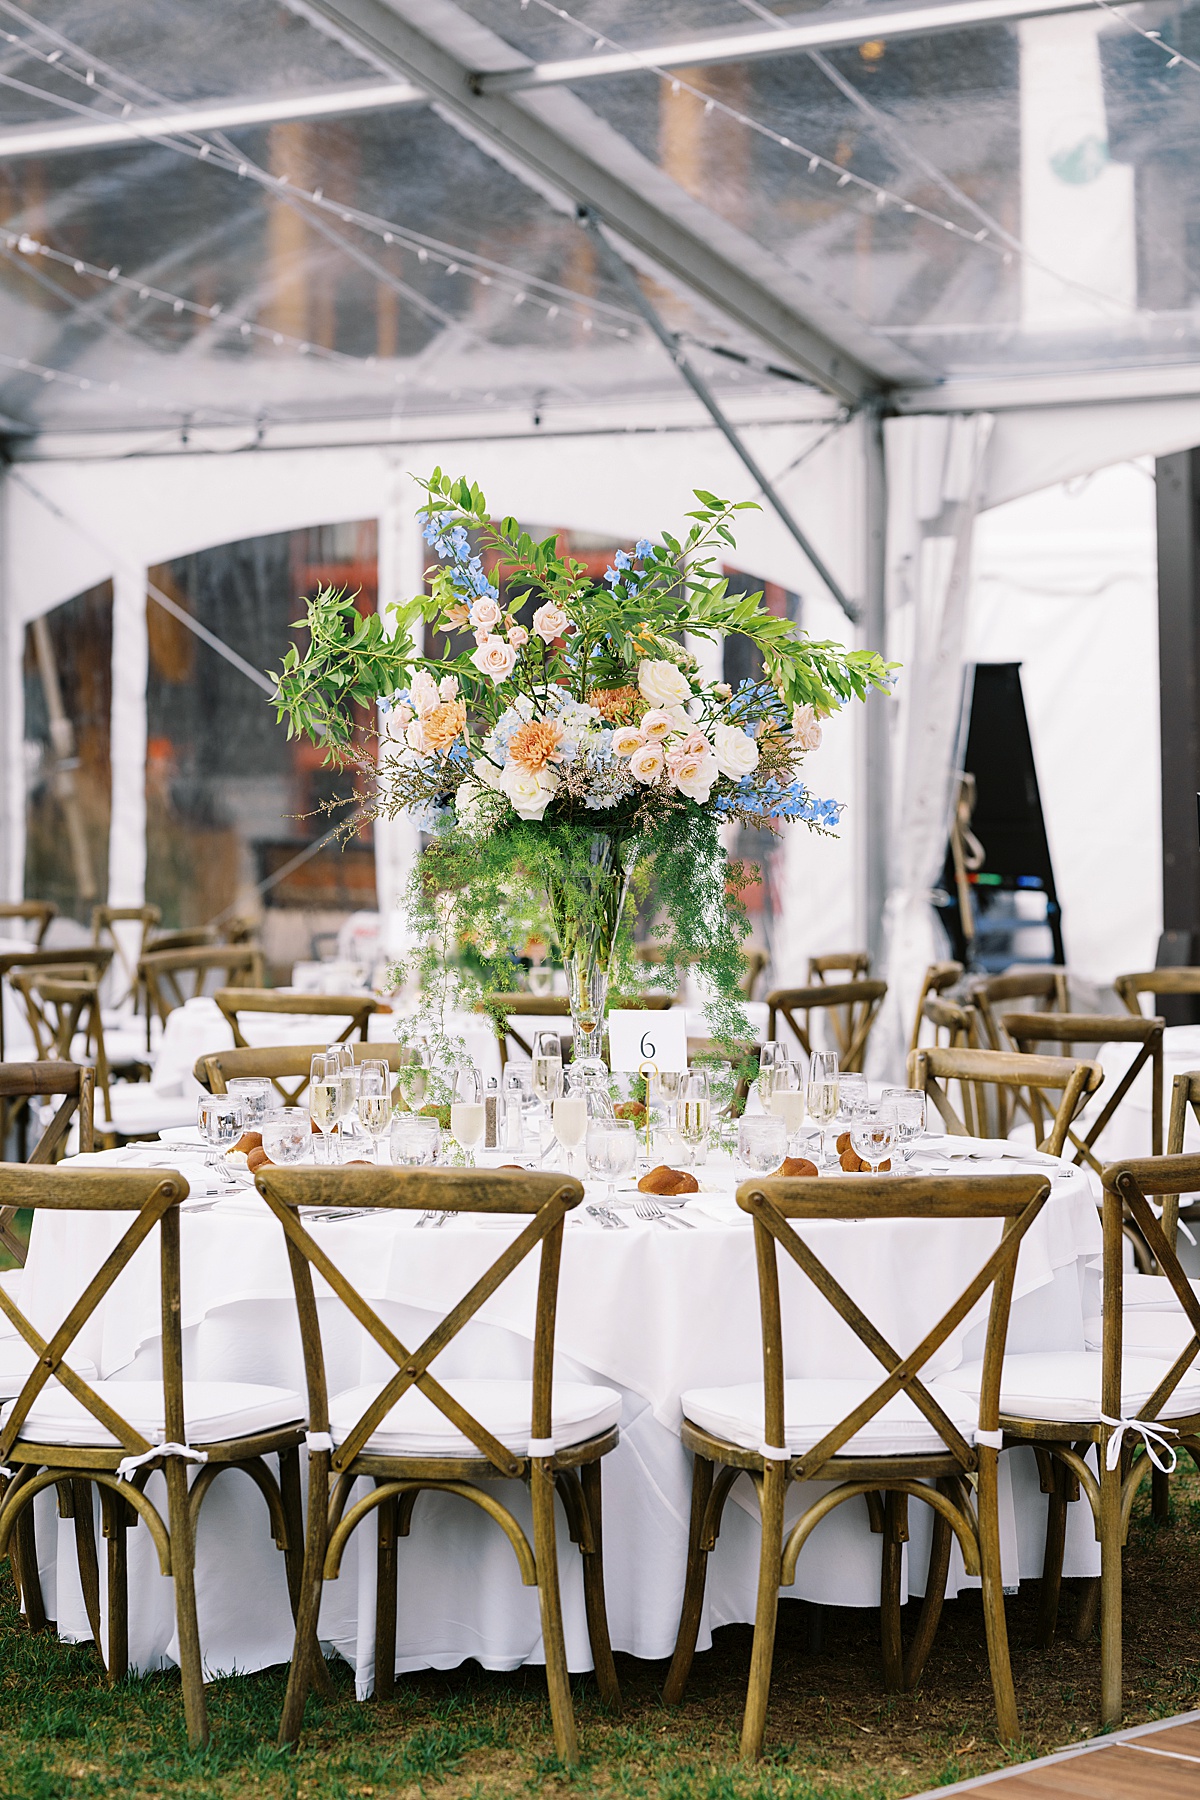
(1152, 1435)
(128, 1464)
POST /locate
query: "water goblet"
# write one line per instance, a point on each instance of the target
(873, 1135)
(762, 1141)
(219, 1117)
(287, 1134)
(255, 1094)
(468, 1115)
(611, 1151)
(911, 1117)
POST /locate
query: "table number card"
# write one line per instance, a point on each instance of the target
(636, 1037)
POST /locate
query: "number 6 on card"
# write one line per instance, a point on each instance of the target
(636, 1037)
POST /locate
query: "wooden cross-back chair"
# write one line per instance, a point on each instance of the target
(285, 1066)
(739, 1055)
(1111, 1390)
(38, 913)
(91, 960)
(23, 1083)
(80, 1431)
(1045, 990)
(851, 965)
(1158, 984)
(851, 1007)
(355, 1009)
(1026, 1030)
(941, 1451)
(104, 918)
(171, 977)
(504, 1008)
(1003, 1076)
(62, 1004)
(412, 1432)
(938, 977)
(754, 965)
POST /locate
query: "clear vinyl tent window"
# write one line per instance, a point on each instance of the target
(230, 803)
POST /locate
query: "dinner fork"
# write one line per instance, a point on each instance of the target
(648, 1210)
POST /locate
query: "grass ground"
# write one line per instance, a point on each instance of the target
(832, 1733)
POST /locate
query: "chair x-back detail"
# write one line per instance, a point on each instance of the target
(1044, 990)
(85, 961)
(76, 1429)
(104, 919)
(1158, 984)
(851, 965)
(1185, 1092)
(285, 1066)
(890, 1441)
(1006, 1077)
(355, 1009)
(23, 1083)
(38, 913)
(414, 1432)
(1026, 1030)
(850, 1006)
(938, 978)
(171, 977)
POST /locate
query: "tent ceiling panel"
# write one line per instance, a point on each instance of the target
(932, 217)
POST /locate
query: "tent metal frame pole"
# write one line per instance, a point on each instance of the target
(878, 783)
(621, 272)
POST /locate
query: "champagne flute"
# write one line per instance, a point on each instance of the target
(324, 1098)
(771, 1056)
(787, 1099)
(822, 1094)
(694, 1110)
(569, 1119)
(374, 1101)
(468, 1115)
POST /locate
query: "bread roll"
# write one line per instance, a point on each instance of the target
(843, 1142)
(854, 1165)
(258, 1159)
(665, 1180)
(249, 1140)
(797, 1165)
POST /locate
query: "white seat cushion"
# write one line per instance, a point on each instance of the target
(135, 1108)
(1151, 1293)
(17, 1360)
(1065, 1384)
(416, 1427)
(813, 1407)
(213, 1410)
(1144, 1333)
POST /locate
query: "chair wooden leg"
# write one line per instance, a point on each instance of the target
(894, 1534)
(1110, 1595)
(993, 1597)
(86, 1555)
(183, 1569)
(1087, 1610)
(306, 1649)
(385, 1602)
(115, 1526)
(562, 1712)
(1052, 1560)
(293, 1513)
(693, 1585)
(762, 1655)
(1160, 1496)
(25, 1564)
(931, 1606)
(593, 1589)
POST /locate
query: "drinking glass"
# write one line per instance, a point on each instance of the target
(255, 1095)
(873, 1134)
(821, 1095)
(325, 1098)
(547, 1066)
(911, 1119)
(219, 1117)
(467, 1113)
(694, 1107)
(414, 1141)
(611, 1151)
(853, 1097)
(787, 1098)
(771, 1056)
(569, 1118)
(412, 1078)
(762, 1141)
(374, 1101)
(287, 1134)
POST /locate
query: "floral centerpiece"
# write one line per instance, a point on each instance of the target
(555, 736)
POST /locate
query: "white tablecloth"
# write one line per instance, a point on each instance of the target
(649, 1310)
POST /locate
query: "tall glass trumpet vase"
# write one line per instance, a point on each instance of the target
(587, 912)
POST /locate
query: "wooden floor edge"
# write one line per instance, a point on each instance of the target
(1068, 1753)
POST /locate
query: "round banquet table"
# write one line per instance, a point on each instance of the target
(649, 1310)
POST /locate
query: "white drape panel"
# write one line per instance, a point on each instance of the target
(401, 572)
(130, 665)
(935, 470)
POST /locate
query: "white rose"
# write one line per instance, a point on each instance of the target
(486, 772)
(448, 688)
(806, 727)
(529, 792)
(423, 689)
(550, 622)
(736, 753)
(647, 763)
(484, 613)
(495, 659)
(694, 775)
(627, 740)
(415, 738)
(663, 684)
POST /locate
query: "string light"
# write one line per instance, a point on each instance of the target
(1175, 58)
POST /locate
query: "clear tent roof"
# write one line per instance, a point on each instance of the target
(343, 241)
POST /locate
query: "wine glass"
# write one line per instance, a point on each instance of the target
(911, 1116)
(611, 1151)
(569, 1118)
(413, 1075)
(873, 1134)
(467, 1113)
(219, 1117)
(771, 1056)
(762, 1141)
(694, 1107)
(821, 1095)
(374, 1100)
(853, 1097)
(324, 1098)
(547, 1066)
(287, 1134)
